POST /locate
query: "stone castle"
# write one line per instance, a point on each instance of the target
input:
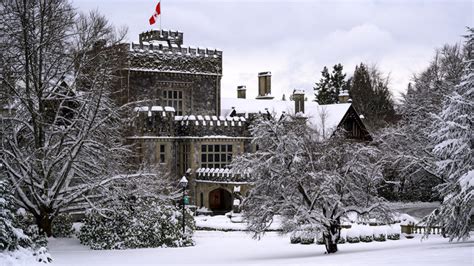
(182, 124)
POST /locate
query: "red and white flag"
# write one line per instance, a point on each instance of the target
(156, 14)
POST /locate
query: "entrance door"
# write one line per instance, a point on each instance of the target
(220, 200)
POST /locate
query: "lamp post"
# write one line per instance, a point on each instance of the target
(183, 183)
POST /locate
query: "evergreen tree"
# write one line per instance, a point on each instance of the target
(9, 234)
(328, 88)
(337, 82)
(322, 88)
(451, 132)
(408, 145)
(371, 96)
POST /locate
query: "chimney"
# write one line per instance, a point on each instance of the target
(241, 91)
(265, 85)
(343, 96)
(298, 97)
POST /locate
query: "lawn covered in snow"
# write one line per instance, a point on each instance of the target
(216, 247)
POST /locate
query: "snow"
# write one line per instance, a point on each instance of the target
(238, 248)
(222, 222)
(169, 109)
(156, 108)
(20, 257)
(467, 181)
(324, 118)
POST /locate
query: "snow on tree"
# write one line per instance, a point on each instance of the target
(312, 184)
(407, 144)
(130, 218)
(62, 138)
(452, 134)
(11, 237)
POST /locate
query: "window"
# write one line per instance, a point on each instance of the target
(215, 155)
(186, 152)
(162, 153)
(174, 99)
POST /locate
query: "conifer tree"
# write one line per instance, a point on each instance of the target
(337, 82)
(322, 88)
(452, 134)
(328, 88)
(371, 96)
(10, 236)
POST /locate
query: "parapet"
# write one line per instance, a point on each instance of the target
(172, 37)
(163, 49)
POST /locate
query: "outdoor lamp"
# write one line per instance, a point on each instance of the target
(183, 183)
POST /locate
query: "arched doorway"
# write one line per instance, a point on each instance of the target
(220, 200)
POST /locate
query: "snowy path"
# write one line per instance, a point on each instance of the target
(214, 247)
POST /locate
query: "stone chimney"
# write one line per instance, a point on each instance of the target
(265, 85)
(343, 96)
(241, 91)
(298, 97)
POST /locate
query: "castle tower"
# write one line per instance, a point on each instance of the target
(161, 71)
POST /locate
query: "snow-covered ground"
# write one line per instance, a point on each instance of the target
(238, 247)
(215, 247)
(222, 222)
(415, 209)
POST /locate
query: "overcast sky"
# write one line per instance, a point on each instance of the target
(295, 39)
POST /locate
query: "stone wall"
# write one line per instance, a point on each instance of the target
(201, 93)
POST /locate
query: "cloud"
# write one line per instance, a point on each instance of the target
(296, 39)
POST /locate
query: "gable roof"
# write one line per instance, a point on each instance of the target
(323, 118)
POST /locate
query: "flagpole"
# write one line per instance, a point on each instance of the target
(161, 29)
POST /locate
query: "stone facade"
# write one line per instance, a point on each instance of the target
(152, 69)
(174, 92)
(177, 126)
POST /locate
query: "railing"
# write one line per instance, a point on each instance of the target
(419, 229)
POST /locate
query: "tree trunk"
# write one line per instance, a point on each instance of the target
(331, 237)
(331, 247)
(45, 225)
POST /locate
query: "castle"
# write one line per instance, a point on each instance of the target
(182, 124)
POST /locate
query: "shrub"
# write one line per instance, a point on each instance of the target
(295, 237)
(307, 238)
(394, 236)
(379, 233)
(138, 224)
(353, 239)
(26, 222)
(342, 237)
(366, 239)
(342, 240)
(366, 234)
(379, 237)
(393, 232)
(352, 235)
(62, 226)
(10, 236)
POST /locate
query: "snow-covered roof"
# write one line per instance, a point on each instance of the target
(324, 118)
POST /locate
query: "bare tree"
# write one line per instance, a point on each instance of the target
(309, 182)
(407, 144)
(62, 138)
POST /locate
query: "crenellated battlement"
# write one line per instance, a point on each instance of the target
(161, 120)
(177, 50)
(161, 50)
(172, 37)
